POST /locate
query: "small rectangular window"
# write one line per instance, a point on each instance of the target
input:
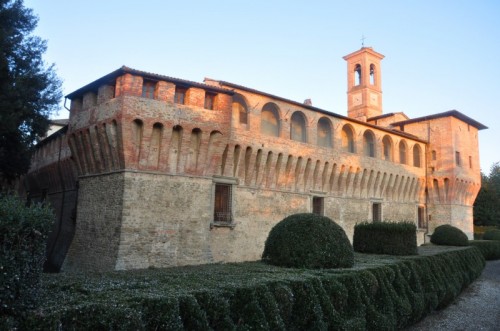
(457, 158)
(421, 218)
(180, 95)
(223, 203)
(209, 101)
(318, 205)
(148, 89)
(470, 162)
(376, 212)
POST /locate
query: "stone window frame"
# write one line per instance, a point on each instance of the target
(376, 206)
(315, 195)
(422, 223)
(231, 183)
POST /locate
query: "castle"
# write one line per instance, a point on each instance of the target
(155, 171)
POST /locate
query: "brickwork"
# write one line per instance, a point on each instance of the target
(148, 168)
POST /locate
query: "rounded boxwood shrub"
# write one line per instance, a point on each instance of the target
(492, 235)
(308, 241)
(449, 235)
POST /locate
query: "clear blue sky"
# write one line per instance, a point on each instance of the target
(440, 55)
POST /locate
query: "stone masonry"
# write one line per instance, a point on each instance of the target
(172, 172)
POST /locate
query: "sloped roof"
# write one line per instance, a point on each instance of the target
(453, 113)
(111, 77)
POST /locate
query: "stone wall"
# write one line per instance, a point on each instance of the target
(98, 225)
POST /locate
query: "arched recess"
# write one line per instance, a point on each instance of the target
(298, 127)
(402, 152)
(369, 143)
(387, 148)
(348, 139)
(155, 145)
(324, 132)
(269, 120)
(240, 111)
(357, 75)
(137, 132)
(417, 156)
(373, 74)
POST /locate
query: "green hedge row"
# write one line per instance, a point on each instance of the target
(394, 238)
(492, 235)
(386, 295)
(489, 248)
(23, 235)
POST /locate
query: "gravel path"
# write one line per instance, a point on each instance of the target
(477, 308)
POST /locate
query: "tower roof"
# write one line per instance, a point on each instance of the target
(364, 50)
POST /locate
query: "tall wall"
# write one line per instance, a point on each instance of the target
(99, 224)
(52, 179)
(148, 169)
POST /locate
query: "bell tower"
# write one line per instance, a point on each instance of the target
(364, 84)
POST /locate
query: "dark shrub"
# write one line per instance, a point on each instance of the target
(489, 248)
(449, 235)
(394, 238)
(23, 235)
(492, 235)
(308, 241)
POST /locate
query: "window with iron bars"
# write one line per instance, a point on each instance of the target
(223, 203)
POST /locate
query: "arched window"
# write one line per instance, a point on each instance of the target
(298, 127)
(347, 139)
(324, 133)
(240, 110)
(372, 74)
(387, 147)
(402, 152)
(416, 156)
(369, 143)
(357, 75)
(269, 120)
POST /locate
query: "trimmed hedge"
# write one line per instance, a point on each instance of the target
(492, 235)
(449, 235)
(379, 294)
(23, 235)
(394, 238)
(489, 248)
(308, 241)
